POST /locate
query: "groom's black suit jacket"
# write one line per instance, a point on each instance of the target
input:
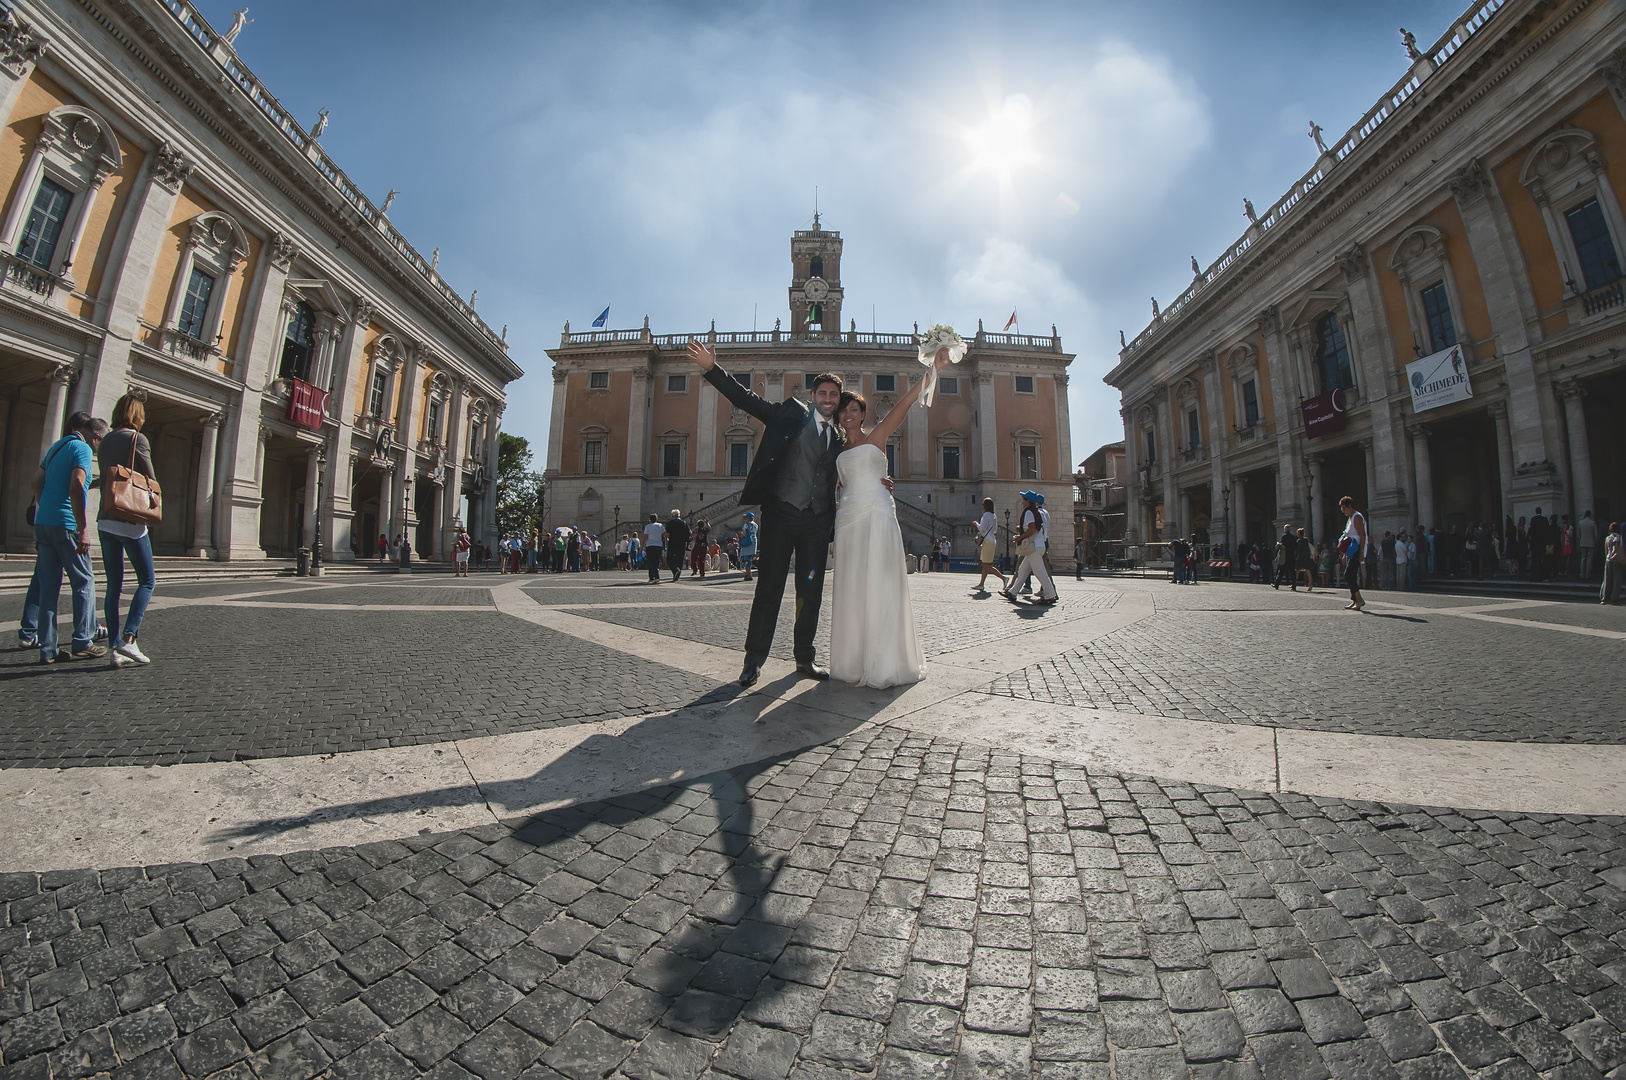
(782, 421)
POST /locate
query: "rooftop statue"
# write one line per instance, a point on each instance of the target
(239, 20)
(1315, 133)
(1409, 39)
(321, 125)
(1247, 208)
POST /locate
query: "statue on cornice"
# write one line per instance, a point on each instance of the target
(1315, 133)
(239, 20)
(1247, 209)
(389, 200)
(434, 260)
(321, 124)
(1195, 269)
(1409, 39)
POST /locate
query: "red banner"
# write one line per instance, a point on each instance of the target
(307, 406)
(1323, 415)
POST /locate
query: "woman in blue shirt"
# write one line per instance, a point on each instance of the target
(748, 543)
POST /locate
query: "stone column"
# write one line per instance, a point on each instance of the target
(1570, 392)
(56, 408)
(403, 513)
(203, 510)
(1284, 415)
(386, 502)
(638, 423)
(312, 472)
(556, 422)
(1064, 433)
(243, 456)
(1425, 475)
(1371, 471)
(489, 506)
(920, 465)
(988, 421)
(705, 430)
(1318, 490)
(1504, 455)
(1132, 503)
(1183, 526)
(1501, 278)
(1166, 454)
(452, 492)
(1239, 516)
(337, 512)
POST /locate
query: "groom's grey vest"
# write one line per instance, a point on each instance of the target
(804, 471)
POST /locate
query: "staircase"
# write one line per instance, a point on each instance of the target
(1506, 588)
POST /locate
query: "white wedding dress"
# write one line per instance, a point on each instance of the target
(872, 629)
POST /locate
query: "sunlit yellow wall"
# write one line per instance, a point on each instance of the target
(364, 373)
(101, 230)
(1267, 393)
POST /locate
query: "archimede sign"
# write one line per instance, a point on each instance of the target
(1438, 379)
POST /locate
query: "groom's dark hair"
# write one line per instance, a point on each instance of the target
(827, 377)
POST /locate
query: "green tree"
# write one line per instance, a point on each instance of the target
(519, 489)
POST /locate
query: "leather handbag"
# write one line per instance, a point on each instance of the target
(131, 496)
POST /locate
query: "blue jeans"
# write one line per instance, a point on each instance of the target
(28, 630)
(114, 549)
(57, 551)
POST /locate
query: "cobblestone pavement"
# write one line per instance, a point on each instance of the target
(375, 679)
(889, 906)
(1436, 677)
(885, 906)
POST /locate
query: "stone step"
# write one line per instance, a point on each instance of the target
(1514, 588)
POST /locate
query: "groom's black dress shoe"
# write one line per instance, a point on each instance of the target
(748, 674)
(813, 671)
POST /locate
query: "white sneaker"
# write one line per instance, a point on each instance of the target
(130, 650)
(117, 659)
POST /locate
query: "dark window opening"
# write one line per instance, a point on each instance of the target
(739, 459)
(1442, 331)
(677, 384)
(195, 308)
(1024, 384)
(816, 267)
(1250, 403)
(593, 458)
(1332, 354)
(432, 422)
(598, 380)
(671, 460)
(1151, 448)
(743, 378)
(1600, 264)
(1030, 462)
(44, 227)
(375, 400)
(951, 463)
(1194, 435)
(891, 459)
(948, 385)
(886, 384)
(296, 344)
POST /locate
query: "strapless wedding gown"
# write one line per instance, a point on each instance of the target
(872, 629)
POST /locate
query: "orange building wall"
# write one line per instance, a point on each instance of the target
(1267, 392)
(670, 412)
(1036, 411)
(605, 408)
(111, 202)
(364, 374)
(39, 96)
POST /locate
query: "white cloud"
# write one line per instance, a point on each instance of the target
(1005, 275)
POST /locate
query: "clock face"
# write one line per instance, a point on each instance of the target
(815, 289)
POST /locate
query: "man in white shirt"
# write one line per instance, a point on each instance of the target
(1035, 529)
(654, 546)
(1402, 562)
(988, 547)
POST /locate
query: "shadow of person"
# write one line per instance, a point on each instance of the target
(725, 727)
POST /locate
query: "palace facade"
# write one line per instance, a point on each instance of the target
(1431, 321)
(168, 228)
(636, 431)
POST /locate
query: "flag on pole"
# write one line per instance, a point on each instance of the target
(1012, 320)
(603, 317)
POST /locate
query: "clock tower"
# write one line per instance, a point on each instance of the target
(815, 282)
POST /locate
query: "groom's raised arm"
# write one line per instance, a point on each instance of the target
(705, 357)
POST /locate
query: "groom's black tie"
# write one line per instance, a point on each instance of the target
(824, 433)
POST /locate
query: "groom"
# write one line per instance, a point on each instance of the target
(793, 479)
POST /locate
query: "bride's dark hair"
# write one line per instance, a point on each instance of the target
(847, 397)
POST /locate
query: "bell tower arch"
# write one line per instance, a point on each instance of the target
(815, 280)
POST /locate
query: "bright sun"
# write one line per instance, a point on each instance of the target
(1003, 143)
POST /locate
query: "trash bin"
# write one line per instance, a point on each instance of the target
(303, 567)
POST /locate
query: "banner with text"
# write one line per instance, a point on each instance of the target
(1438, 379)
(1323, 414)
(306, 404)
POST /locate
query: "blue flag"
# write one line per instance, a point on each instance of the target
(603, 317)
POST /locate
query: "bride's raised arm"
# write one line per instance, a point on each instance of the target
(883, 429)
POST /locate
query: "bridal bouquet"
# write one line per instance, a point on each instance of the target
(940, 336)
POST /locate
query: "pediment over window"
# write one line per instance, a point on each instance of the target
(1421, 243)
(219, 236)
(319, 294)
(1027, 434)
(80, 135)
(1558, 155)
(1314, 306)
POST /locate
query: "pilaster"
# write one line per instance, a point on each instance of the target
(638, 422)
(988, 422)
(705, 435)
(556, 421)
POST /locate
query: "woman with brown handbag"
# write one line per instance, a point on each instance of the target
(128, 504)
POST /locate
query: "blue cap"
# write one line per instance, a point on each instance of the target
(1033, 496)
(750, 515)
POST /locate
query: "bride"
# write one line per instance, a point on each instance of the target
(872, 630)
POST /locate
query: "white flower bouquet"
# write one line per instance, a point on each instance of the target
(940, 336)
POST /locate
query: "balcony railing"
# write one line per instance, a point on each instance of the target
(848, 338)
(177, 343)
(1245, 432)
(1432, 59)
(1602, 299)
(30, 278)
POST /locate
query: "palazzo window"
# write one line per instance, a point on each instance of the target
(948, 386)
(1024, 384)
(1194, 433)
(807, 381)
(298, 341)
(380, 390)
(743, 378)
(593, 457)
(815, 317)
(1594, 249)
(816, 267)
(1442, 330)
(195, 308)
(891, 459)
(672, 460)
(739, 459)
(1250, 403)
(432, 421)
(1029, 456)
(951, 463)
(598, 380)
(44, 226)
(1332, 355)
(1151, 449)
(886, 384)
(677, 384)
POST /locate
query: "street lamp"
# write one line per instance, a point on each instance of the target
(1225, 493)
(1007, 540)
(316, 540)
(1309, 501)
(616, 536)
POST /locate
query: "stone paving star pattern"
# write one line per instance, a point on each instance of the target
(889, 906)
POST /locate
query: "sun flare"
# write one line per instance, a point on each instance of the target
(1005, 142)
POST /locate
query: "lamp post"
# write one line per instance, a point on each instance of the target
(1007, 540)
(1309, 501)
(1225, 493)
(316, 538)
(616, 536)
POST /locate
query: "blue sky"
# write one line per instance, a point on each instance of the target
(1064, 159)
